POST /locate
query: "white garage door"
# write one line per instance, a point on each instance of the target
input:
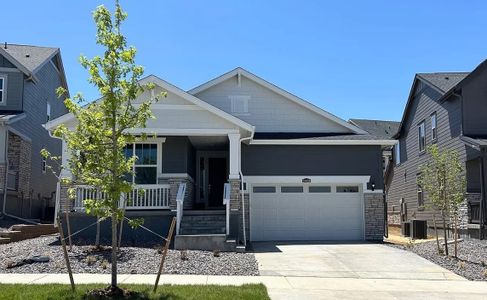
(306, 212)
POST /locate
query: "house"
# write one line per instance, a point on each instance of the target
(239, 159)
(447, 109)
(380, 128)
(29, 77)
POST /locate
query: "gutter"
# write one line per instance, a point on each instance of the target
(242, 185)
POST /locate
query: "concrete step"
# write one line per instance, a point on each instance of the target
(4, 240)
(208, 242)
(192, 231)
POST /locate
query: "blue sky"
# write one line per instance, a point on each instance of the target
(355, 59)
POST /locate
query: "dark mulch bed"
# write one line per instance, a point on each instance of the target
(471, 262)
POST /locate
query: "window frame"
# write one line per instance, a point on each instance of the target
(421, 129)
(434, 130)
(48, 111)
(138, 165)
(3, 89)
(43, 165)
(420, 196)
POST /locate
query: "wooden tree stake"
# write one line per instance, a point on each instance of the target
(164, 252)
(65, 251)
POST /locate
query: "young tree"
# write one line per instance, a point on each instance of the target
(97, 143)
(443, 179)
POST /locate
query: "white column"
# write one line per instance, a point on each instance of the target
(66, 155)
(234, 139)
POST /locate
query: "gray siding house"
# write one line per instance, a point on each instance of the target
(239, 159)
(29, 77)
(448, 109)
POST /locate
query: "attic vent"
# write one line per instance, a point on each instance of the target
(447, 78)
(27, 55)
(239, 104)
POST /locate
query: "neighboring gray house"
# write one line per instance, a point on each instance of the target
(449, 109)
(304, 173)
(29, 77)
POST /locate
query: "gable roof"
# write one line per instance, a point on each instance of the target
(443, 82)
(380, 128)
(175, 90)
(242, 72)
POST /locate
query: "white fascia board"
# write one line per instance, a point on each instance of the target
(183, 132)
(324, 142)
(239, 71)
(179, 92)
(58, 121)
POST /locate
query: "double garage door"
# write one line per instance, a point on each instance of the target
(293, 212)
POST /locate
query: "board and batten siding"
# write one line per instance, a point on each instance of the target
(401, 181)
(313, 160)
(267, 110)
(36, 96)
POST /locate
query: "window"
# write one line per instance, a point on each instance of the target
(421, 137)
(433, 127)
(44, 165)
(145, 167)
(291, 189)
(347, 189)
(264, 189)
(240, 104)
(319, 189)
(397, 153)
(48, 111)
(3, 87)
(420, 197)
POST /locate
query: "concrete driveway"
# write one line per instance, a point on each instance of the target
(358, 271)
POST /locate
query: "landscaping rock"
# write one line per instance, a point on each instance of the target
(132, 260)
(471, 262)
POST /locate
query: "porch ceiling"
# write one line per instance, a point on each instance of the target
(209, 142)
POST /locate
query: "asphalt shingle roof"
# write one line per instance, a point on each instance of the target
(444, 80)
(31, 57)
(380, 128)
(313, 136)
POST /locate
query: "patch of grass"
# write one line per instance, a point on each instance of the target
(164, 292)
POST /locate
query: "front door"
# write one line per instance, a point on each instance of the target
(217, 176)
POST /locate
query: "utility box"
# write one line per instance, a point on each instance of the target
(419, 229)
(406, 228)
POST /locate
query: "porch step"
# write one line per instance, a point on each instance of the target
(203, 224)
(208, 242)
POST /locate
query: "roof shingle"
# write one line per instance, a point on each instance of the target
(443, 80)
(31, 57)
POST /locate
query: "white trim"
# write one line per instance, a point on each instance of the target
(324, 142)
(177, 91)
(173, 106)
(3, 88)
(239, 72)
(172, 132)
(272, 179)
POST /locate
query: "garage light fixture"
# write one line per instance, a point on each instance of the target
(306, 180)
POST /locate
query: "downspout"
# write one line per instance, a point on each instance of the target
(242, 185)
(5, 185)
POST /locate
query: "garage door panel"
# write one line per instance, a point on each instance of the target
(306, 216)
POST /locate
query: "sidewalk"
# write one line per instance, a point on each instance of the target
(284, 287)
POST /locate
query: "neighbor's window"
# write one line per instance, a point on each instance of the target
(43, 165)
(433, 127)
(48, 112)
(397, 153)
(421, 137)
(145, 167)
(240, 104)
(3, 83)
(347, 189)
(420, 196)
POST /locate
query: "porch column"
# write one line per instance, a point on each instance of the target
(234, 139)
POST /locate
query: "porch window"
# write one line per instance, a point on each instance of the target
(145, 167)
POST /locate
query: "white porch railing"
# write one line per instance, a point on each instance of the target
(180, 206)
(226, 201)
(150, 196)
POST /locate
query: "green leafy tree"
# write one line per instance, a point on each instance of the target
(98, 140)
(444, 182)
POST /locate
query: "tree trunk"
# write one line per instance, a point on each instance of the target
(97, 237)
(455, 234)
(436, 234)
(114, 249)
(444, 232)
